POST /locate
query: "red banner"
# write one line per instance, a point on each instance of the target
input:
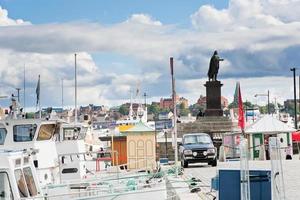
(241, 111)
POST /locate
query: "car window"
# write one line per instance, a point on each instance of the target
(5, 189)
(197, 139)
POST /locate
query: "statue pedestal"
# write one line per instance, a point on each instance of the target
(213, 98)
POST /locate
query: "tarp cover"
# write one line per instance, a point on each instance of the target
(269, 124)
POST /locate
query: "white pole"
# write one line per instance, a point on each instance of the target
(175, 115)
(40, 110)
(24, 97)
(75, 90)
(62, 94)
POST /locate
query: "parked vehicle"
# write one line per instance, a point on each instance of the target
(197, 148)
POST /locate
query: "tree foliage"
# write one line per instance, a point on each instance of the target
(124, 110)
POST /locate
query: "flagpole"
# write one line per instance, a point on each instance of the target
(40, 110)
(244, 164)
(75, 90)
(24, 98)
(62, 93)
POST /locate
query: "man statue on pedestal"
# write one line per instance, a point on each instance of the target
(214, 67)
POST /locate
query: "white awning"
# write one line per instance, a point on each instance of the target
(269, 124)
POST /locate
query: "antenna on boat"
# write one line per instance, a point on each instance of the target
(18, 92)
(62, 93)
(75, 90)
(130, 108)
(24, 91)
(38, 95)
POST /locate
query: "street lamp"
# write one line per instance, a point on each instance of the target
(266, 95)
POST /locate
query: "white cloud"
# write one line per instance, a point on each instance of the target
(6, 21)
(143, 19)
(240, 15)
(255, 40)
(286, 10)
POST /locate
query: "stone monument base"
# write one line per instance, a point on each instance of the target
(213, 112)
(213, 98)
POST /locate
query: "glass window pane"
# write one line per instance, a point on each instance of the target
(204, 139)
(197, 139)
(74, 133)
(46, 131)
(24, 132)
(5, 188)
(2, 135)
(30, 181)
(190, 140)
(21, 183)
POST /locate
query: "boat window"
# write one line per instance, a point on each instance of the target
(24, 132)
(74, 133)
(21, 183)
(2, 135)
(5, 188)
(69, 170)
(30, 181)
(46, 131)
(83, 131)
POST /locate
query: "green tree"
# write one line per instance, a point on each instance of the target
(195, 109)
(182, 110)
(154, 109)
(124, 110)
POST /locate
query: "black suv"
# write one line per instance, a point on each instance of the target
(197, 148)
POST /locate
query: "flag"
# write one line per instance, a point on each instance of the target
(241, 122)
(37, 91)
(236, 95)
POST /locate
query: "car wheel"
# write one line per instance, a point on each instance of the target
(184, 163)
(213, 163)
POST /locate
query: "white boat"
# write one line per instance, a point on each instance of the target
(60, 165)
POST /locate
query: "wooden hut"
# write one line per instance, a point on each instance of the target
(140, 147)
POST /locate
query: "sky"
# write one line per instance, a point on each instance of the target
(125, 45)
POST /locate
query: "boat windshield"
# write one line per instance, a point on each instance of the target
(30, 181)
(46, 131)
(2, 135)
(24, 132)
(197, 139)
(21, 183)
(5, 188)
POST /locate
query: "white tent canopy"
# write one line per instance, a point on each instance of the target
(269, 124)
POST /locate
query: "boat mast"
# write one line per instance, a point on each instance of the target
(24, 91)
(75, 90)
(130, 108)
(62, 93)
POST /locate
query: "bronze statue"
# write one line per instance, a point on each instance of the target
(214, 67)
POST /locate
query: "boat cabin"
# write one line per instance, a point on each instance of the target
(20, 134)
(17, 176)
